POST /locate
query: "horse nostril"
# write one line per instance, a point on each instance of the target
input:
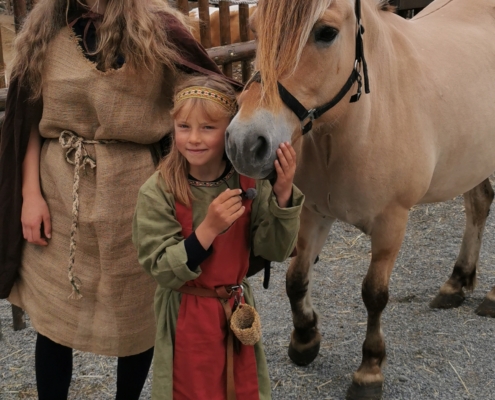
(260, 148)
(227, 135)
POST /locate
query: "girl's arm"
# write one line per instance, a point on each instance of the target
(157, 236)
(273, 228)
(34, 208)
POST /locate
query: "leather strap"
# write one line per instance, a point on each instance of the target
(223, 294)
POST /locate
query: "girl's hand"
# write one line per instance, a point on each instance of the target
(34, 212)
(222, 213)
(286, 168)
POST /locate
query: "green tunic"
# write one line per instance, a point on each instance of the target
(161, 251)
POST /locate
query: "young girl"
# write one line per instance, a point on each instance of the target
(90, 97)
(194, 227)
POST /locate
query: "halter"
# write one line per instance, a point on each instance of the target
(308, 116)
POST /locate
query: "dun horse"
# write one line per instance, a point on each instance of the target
(424, 133)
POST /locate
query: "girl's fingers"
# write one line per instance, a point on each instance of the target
(278, 168)
(282, 159)
(47, 224)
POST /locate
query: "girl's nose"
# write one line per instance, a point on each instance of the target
(194, 137)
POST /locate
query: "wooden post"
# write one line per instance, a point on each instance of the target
(8, 6)
(225, 39)
(244, 36)
(204, 23)
(2, 63)
(183, 6)
(20, 12)
(18, 318)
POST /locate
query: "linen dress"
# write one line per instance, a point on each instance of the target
(115, 315)
(158, 237)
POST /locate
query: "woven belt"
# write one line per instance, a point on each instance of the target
(73, 143)
(223, 294)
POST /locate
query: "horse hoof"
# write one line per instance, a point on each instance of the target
(371, 391)
(447, 300)
(486, 308)
(304, 354)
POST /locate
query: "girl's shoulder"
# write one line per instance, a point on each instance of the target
(156, 189)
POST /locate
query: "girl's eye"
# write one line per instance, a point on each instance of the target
(183, 126)
(209, 127)
(326, 34)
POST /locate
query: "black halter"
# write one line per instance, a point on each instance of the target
(308, 116)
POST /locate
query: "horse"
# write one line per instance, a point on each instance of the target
(384, 113)
(215, 24)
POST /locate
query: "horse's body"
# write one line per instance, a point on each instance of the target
(425, 133)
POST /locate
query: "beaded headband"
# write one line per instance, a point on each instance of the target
(201, 92)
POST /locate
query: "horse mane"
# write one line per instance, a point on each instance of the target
(283, 28)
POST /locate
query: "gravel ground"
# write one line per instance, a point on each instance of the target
(432, 354)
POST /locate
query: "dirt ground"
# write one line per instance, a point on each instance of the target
(432, 354)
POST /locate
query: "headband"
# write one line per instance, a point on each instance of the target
(201, 92)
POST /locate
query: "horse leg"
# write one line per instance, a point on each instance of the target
(487, 306)
(386, 238)
(305, 338)
(477, 204)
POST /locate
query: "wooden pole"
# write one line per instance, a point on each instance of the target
(225, 39)
(204, 23)
(244, 36)
(183, 6)
(20, 12)
(2, 64)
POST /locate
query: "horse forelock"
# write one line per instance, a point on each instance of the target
(283, 28)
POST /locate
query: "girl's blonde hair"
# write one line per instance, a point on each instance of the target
(133, 29)
(174, 167)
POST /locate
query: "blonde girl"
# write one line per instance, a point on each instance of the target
(194, 227)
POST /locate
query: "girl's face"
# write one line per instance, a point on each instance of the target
(201, 140)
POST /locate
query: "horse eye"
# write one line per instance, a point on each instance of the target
(326, 34)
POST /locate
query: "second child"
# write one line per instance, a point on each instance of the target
(194, 228)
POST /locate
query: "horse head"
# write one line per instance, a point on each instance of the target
(310, 62)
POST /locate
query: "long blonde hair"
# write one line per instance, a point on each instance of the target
(283, 28)
(133, 29)
(174, 167)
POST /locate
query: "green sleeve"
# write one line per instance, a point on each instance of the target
(274, 229)
(156, 233)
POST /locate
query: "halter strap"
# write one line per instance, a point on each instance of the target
(308, 116)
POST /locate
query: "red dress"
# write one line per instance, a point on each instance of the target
(201, 331)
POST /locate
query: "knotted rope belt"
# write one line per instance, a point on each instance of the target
(223, 294)
(75, 144)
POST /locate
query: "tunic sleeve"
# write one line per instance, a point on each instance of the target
(156, 233)
(274, 229)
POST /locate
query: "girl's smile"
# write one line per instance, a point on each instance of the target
(200, 138)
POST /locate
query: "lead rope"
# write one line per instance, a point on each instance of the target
(73, 143)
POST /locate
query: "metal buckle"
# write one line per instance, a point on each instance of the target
(308, 120)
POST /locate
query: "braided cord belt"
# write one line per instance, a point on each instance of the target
(75, 144)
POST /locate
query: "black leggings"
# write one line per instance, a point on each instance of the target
(53, 363)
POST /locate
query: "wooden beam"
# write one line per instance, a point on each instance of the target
(232, 52)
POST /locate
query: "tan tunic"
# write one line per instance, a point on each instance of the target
(115, 315)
